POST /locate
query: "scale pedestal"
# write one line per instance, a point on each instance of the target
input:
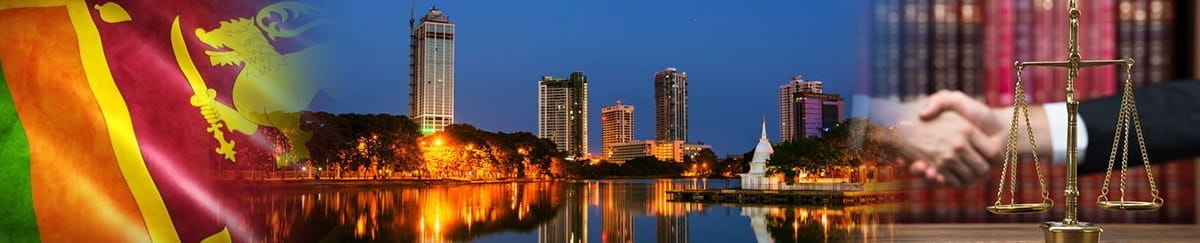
(1078, 232)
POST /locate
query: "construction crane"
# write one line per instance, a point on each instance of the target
(411, 15)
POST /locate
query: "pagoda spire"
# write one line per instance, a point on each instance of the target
(764, 127)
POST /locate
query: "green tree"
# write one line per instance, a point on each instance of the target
(705, 161)
(848, 143)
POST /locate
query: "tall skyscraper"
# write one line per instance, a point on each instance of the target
(616, 126)
(562, 113)
(670, 105)
(787, 93)
(431, 101)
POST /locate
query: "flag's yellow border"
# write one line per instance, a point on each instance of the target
(120, 126)
(116, 116)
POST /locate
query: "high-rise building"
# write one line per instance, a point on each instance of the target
(813, 112)
(562, 113)
(431, 101)
(670, 105)
(616, 126)
(787, 98)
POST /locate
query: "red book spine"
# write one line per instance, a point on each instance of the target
(974, 199)
(999, 44)
(1059, 26)
(1041, 37)
(944, 209)
(1103, 81)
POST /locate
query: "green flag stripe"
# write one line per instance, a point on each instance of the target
(17, 222)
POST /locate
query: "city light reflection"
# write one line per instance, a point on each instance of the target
(808, 224)
(547, 211)
(429, 214)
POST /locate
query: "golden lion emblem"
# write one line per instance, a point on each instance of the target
(271, 89)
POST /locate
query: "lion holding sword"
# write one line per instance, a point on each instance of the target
(271, 89)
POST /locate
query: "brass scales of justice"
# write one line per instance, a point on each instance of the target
(1070, 229)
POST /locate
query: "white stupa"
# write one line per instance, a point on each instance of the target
(756, 178)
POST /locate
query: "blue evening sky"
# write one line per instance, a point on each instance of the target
(736, 54)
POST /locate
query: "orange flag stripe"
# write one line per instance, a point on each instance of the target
(79, 192)
(90, 182)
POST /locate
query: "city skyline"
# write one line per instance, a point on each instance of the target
(733, 81)
(514, 121)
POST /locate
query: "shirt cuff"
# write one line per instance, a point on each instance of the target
(1056, 116)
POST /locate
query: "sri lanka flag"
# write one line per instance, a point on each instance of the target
(116, 116)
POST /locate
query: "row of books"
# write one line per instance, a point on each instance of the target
(921, 46)
(926, 203)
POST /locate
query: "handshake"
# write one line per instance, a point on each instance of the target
(955, 140)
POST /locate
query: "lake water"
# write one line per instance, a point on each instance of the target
(571, 211)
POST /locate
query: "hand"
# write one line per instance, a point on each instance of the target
(986, 119)
(991, 122)
(970, 121)
(978, 113)
(943, 149)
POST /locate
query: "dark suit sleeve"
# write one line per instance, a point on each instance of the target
(1170, 117)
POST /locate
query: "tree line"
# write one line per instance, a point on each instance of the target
(392, 146)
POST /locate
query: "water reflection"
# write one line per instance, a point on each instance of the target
(431, 214)
(818, 224)
(577, 211)
(619, 202)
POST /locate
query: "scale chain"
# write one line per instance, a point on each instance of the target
(1036, 162)
(1010, 150)
(1117, 133)
(1137, 124)
(1011, 157)
(1128, 116)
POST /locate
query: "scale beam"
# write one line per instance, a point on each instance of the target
(1082, 63)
